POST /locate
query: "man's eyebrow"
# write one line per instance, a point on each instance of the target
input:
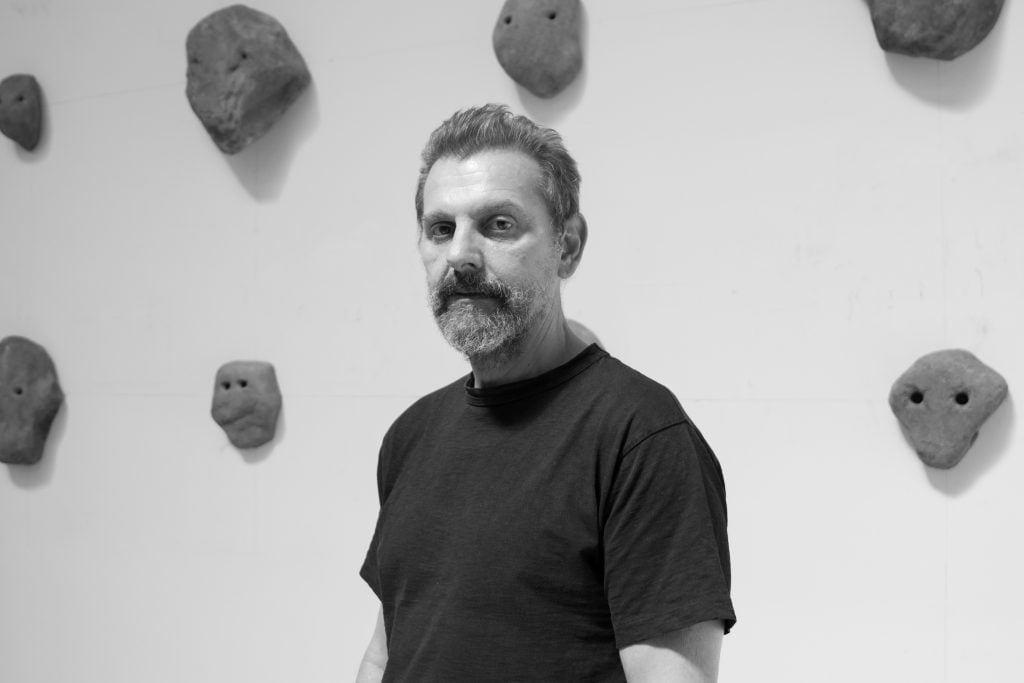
(506, 206)
(434, 217)
(483, 210)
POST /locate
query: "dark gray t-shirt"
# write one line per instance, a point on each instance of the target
(529, 531)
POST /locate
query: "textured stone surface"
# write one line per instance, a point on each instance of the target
(244, 73)
(940, 29)
(30, 397)
(247, 402)
(21, 110)
(942, 401)
(537, 43)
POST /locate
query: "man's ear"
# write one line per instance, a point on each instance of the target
(573, 240)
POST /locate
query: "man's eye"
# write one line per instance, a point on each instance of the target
(440, 230)
(502, 224)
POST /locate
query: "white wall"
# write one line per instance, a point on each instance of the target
(782, 219)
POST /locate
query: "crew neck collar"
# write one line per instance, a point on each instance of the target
(517, 391)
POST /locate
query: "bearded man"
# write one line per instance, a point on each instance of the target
(554, 515)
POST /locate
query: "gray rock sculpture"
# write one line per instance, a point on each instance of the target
(21, 110)
(30, 397)
(942, 400)
(247, 402)
(939, 29)
(244, 73)
(537, 43)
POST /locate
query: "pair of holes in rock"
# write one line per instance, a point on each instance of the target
(242, 383)
(961, 397)
(234, 67)
(551, 16)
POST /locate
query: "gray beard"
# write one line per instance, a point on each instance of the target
(486, 339)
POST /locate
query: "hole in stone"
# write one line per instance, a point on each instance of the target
(508, 20)
(552, 15)
(226, 385)
(21, 98)
(18, 391)
(243, 383)
(962, 398)
(916, 397)
(245, 55)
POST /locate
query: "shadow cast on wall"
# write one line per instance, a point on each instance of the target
(958, 84)
(254, 456)
(41, 474)
(989, 448)
(263, 166)
(551, 111)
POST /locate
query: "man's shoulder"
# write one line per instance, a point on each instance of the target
(439, 399)
(630, 387)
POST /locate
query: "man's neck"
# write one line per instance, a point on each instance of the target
(543, 349)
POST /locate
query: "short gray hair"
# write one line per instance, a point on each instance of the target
(493, 126)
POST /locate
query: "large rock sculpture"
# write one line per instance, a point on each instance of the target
(942, 400)
(940, 29)
(537, 43)
(244, 73)
(247, 402)
(21, 110)
(30, 397)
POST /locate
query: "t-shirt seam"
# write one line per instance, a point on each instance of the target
(629, 449)
(598, 354)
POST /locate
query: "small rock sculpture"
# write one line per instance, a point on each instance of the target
(244, 73)
(21, 110)
(30, 397)
(537, 43)
(940, 29)
(942, 401)
(247, 402)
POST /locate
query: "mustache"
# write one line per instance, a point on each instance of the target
(470, 283)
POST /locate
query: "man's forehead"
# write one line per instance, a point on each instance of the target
(498, 172)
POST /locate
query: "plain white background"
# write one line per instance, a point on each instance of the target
(783, 218)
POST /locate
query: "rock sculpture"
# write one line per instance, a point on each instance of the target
(942, 400)
(21, 110)
(940, 29)
(537, 43)
(244, 73)
(30, 397)
(247, 402)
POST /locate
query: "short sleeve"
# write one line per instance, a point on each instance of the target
(666, 548)
(369, 570)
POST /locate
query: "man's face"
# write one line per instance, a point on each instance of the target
(489, 248)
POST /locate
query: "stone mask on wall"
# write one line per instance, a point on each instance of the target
(537, 43)
(246, 402)
(21, 110)
(940, 29)
(244, 73)
(942, 400)
(30, 397)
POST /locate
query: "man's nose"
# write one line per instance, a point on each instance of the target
(464, 250)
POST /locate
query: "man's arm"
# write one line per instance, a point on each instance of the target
(686, 656)
(371, 670)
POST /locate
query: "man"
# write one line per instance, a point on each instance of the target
(554, 516)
